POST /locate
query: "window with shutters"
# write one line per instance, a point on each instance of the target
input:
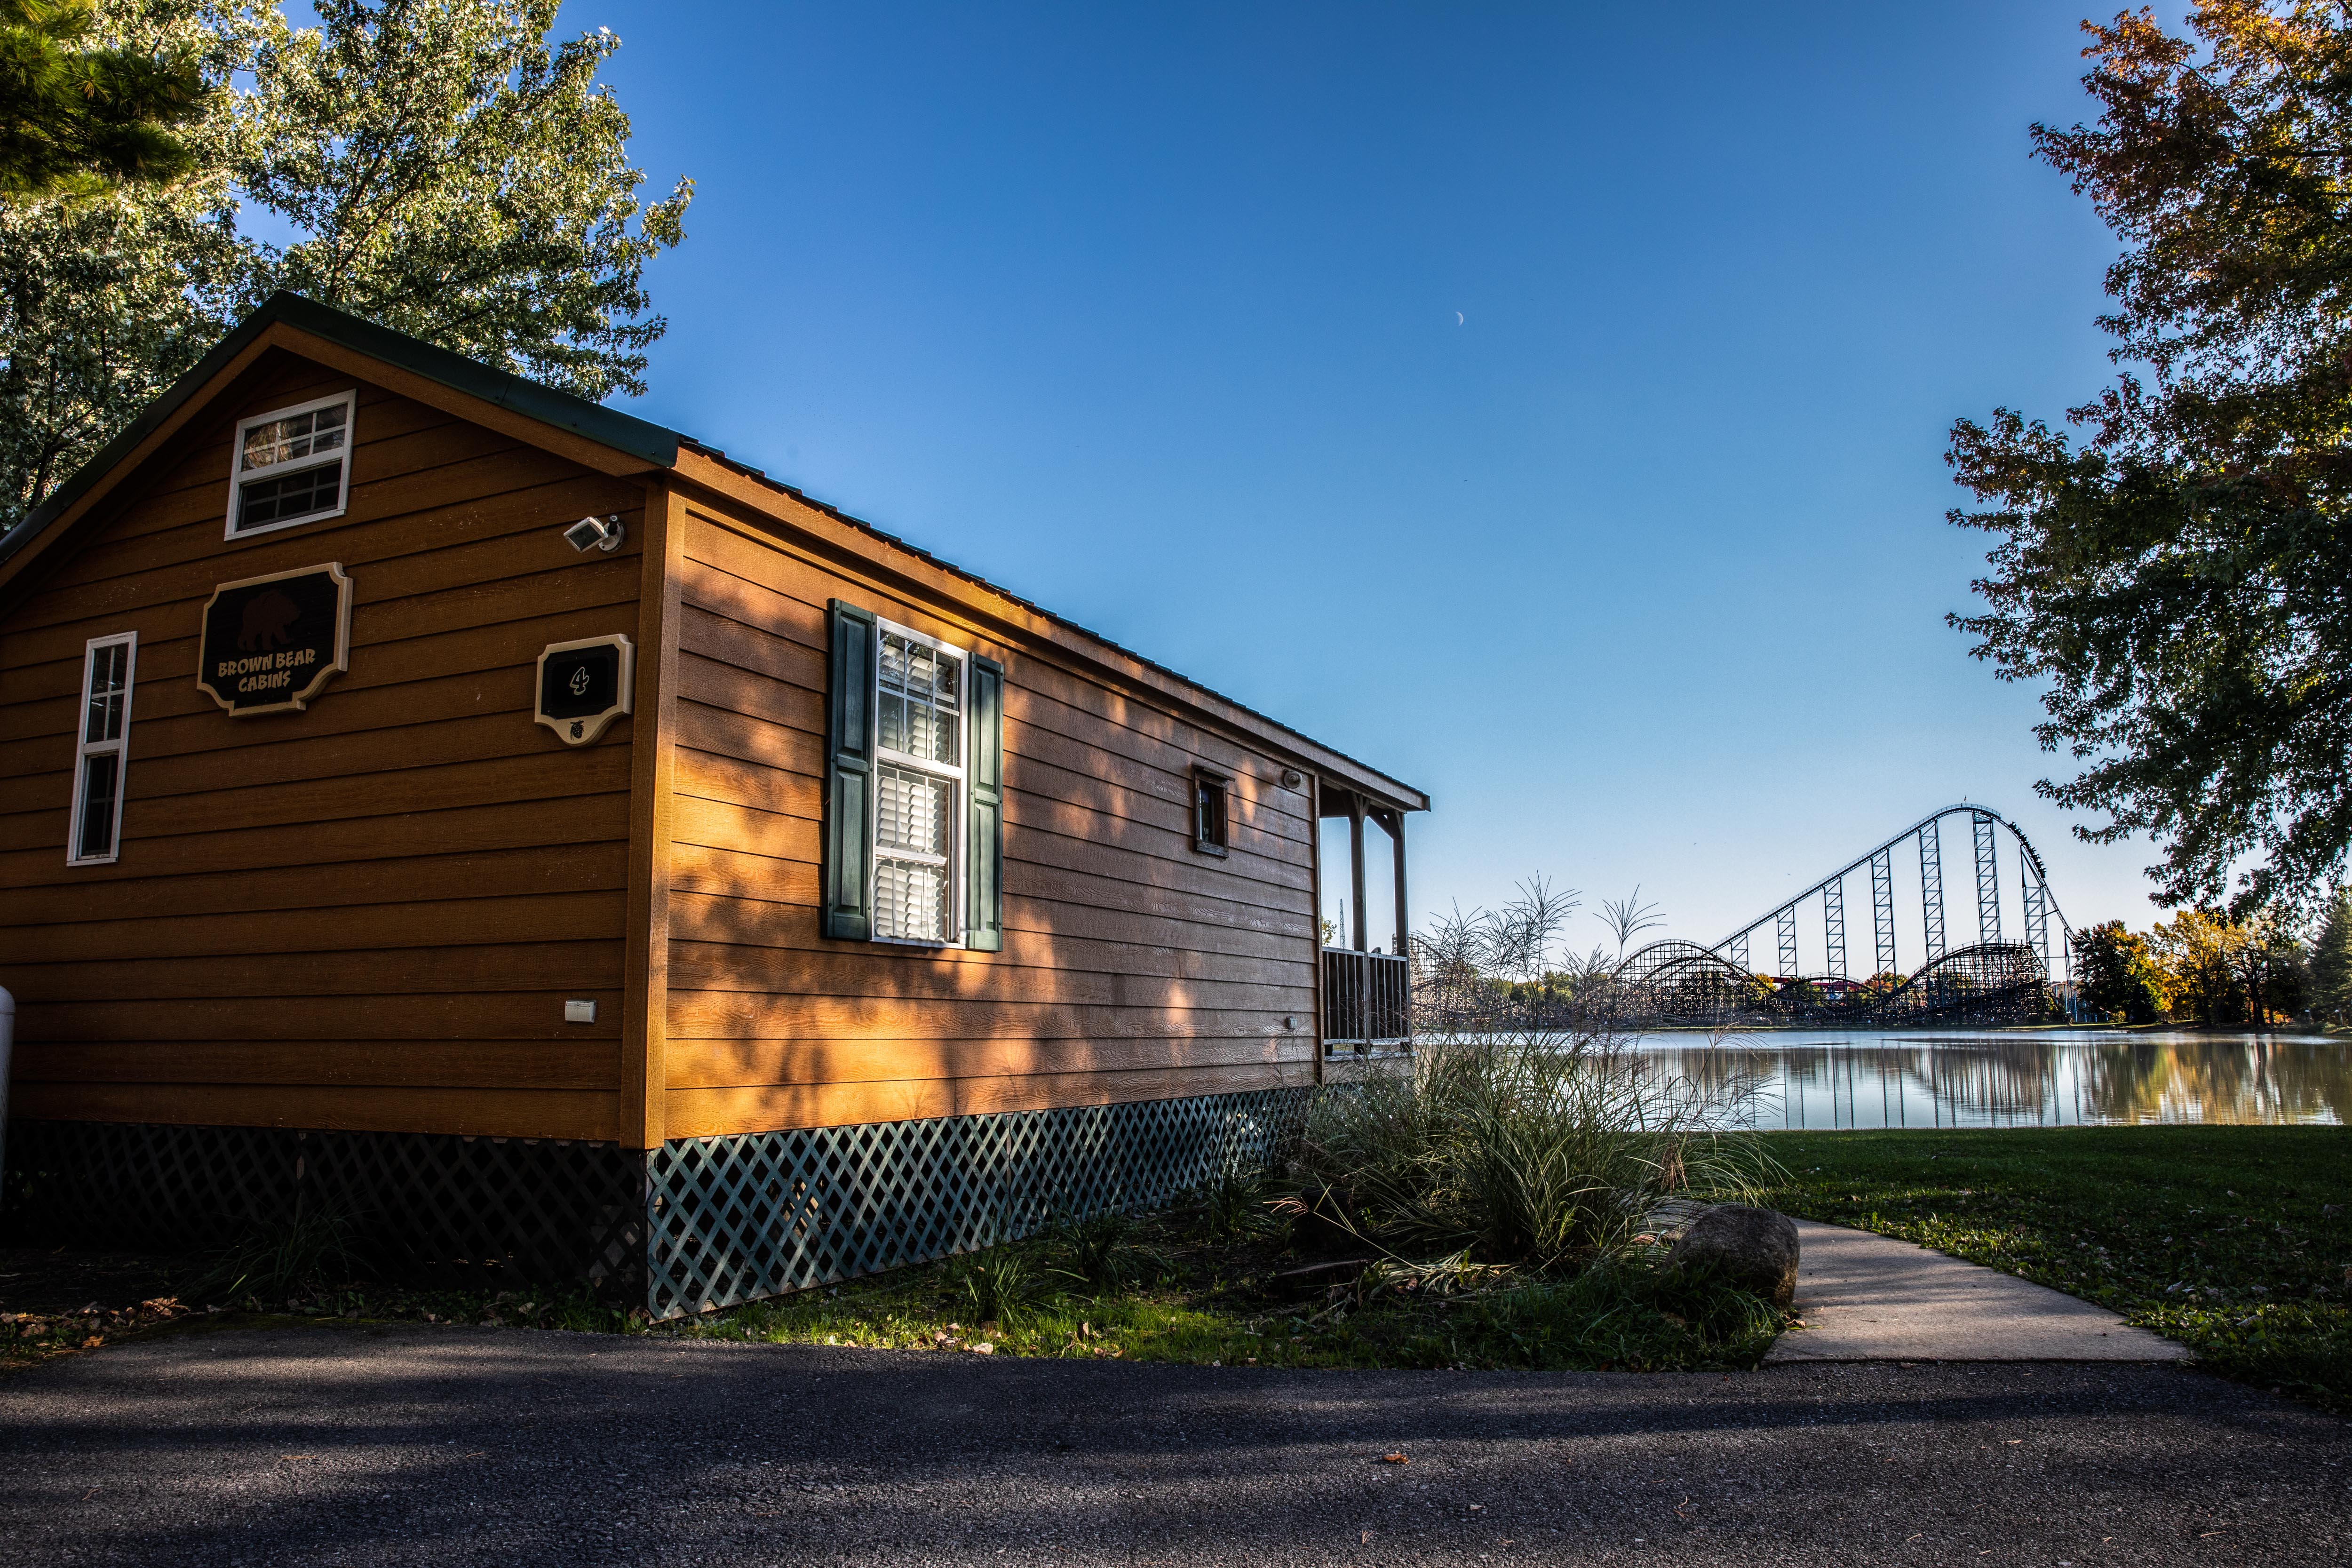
(918, 782)
(104, 744)
(292, 466)
(913, 790)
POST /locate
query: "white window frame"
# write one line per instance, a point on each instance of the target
(959, 776)
(118, 748)
(239, 476)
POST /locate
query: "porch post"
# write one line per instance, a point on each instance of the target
(1356, 867)
(1319, 1020)
(1394, 822)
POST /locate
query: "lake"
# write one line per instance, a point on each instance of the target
(2011, 1077)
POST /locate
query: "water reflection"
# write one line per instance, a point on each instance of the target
(1833, 1078)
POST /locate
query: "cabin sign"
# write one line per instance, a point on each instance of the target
(270, 643)
(583, 686)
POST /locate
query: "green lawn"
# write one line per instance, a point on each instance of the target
(2222, 1237)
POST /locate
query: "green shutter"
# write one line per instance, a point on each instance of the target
(849, 778)
(985, 876)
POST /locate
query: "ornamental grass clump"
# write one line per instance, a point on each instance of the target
(1000, 1283)
(1099, 1254)
(317, 1247)
(1536, 1151)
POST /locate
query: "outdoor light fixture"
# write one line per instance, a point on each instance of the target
(595, 532)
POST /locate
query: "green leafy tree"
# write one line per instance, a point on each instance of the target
(2118, 976)
(2331, 959)
(458, 178)
(443, 168)
(2273, 969)
(75, 117)
(2182, 579)
(105, 301)
(1801, 995)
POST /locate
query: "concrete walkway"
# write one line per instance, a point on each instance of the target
(1872, 1297)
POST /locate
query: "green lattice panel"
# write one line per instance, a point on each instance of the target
(731, 1219)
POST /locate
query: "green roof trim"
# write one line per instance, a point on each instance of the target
(592, 421)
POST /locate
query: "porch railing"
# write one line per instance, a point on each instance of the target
(1367, 1000)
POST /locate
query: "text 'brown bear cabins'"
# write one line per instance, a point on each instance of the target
(442, 801)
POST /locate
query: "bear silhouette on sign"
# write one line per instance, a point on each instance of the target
(268, 620)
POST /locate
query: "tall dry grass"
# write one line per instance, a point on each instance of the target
(1531, 1149)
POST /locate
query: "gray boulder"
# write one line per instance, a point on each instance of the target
(1749, 1250)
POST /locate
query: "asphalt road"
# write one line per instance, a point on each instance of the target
(413, 1445)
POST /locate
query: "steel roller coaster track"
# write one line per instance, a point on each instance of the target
(1988, 980)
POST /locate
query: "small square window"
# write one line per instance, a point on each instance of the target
(292, 466)
(1212, 812)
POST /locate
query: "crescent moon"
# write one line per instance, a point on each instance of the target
(1457, 317)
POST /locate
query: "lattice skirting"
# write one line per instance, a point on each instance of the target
(427, 1204)
(735, 1218)
(698, 1224)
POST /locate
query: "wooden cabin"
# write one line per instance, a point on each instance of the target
(533, 836)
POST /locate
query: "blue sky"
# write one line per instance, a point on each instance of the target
(1546, 405)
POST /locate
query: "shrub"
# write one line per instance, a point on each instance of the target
(1628, 1316)
(1535, 1150)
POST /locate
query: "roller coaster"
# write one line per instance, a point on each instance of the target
(1988, 980)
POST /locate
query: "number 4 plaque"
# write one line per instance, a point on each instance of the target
(583, 686)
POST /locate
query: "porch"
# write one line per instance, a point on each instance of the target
(1366, 966)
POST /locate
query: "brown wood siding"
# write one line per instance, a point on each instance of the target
(367, 915)
(1133, 967)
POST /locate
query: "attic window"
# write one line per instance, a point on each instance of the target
(292, 466)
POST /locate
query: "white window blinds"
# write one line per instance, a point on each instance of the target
(919, 787)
